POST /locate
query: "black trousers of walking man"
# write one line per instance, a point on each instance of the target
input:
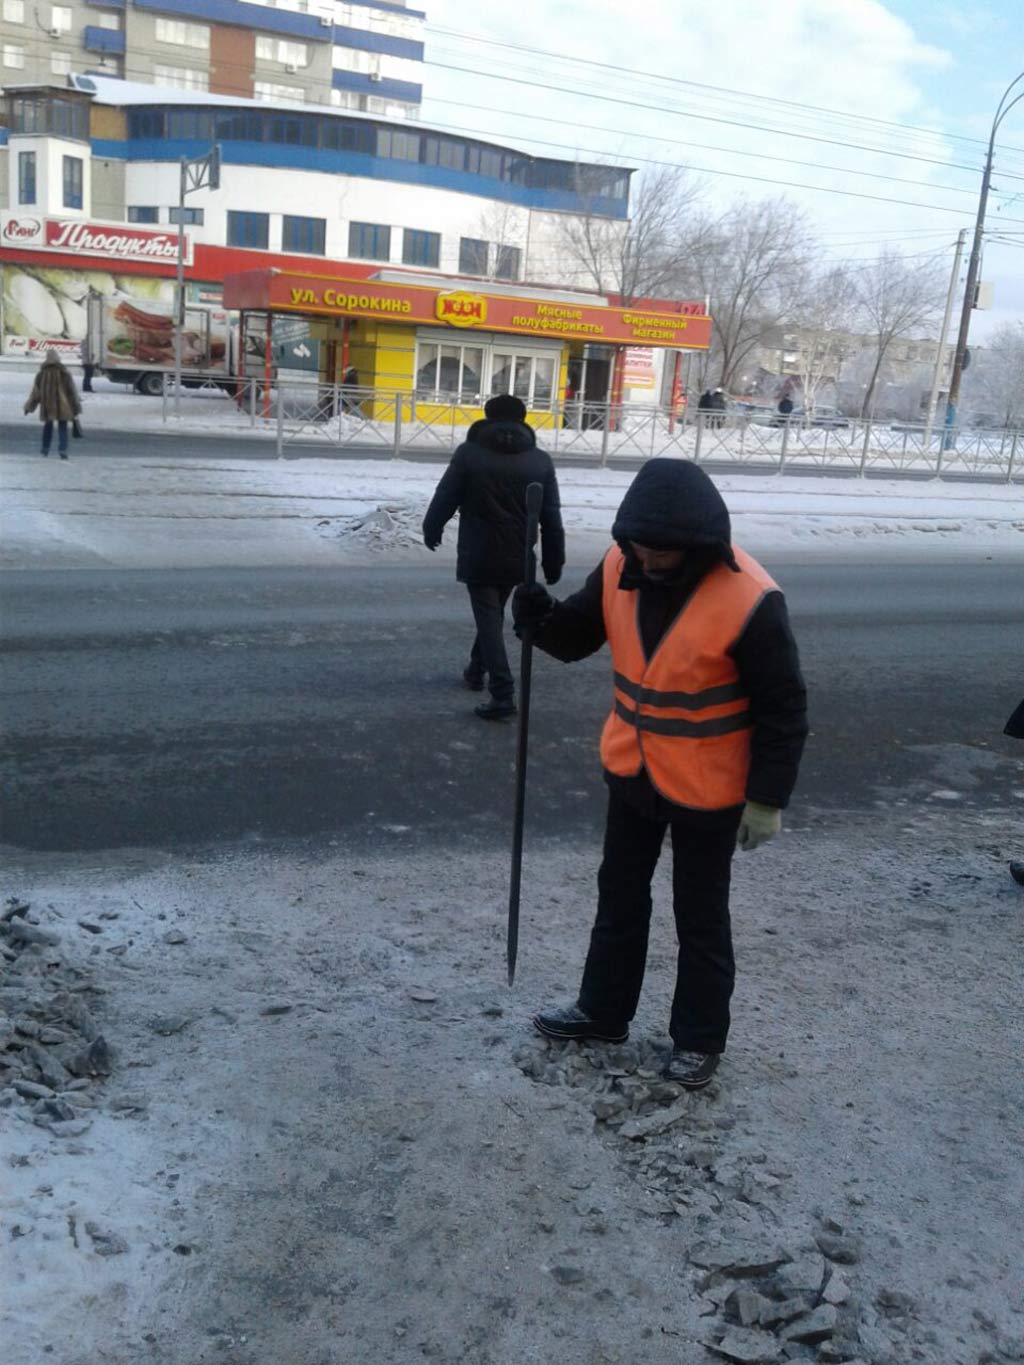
(488, 655)
(614, 971)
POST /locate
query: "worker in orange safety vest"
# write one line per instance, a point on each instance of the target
(704, 737)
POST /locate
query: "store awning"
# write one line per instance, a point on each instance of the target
(463, 307)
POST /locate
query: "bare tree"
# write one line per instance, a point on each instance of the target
(995, 380)
(503, 228)
(897, 299)
(750, 263)
(640, 257)
(825, 317)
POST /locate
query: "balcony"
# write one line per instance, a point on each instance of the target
(382, 87)
(105, 40)
(263, 18)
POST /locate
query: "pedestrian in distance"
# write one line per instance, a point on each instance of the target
(785, 408)
(55, 395)
(718, 407)
(88, 364)
(704, 739)
(704, 403)
(485, 483)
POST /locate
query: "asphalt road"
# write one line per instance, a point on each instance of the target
(21, 438)
(194, 708)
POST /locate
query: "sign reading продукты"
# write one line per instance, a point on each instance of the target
(72, 237)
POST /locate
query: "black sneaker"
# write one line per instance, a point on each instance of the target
(473, 682)
(495, 710)
(572, 1022)
(692, 1070)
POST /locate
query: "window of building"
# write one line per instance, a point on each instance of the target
(72, 182)
(60, 63)
(143, 213)
(347, 135)
(529, 377)
(14, 56)
(49, 114)
(60, 19)
(375, 21)
(449, 374)
(308, 235)
(271, 90)
(371, 241)
(181, 77)
(182, 34)
(473, 256)
(238, 127)
(280, 50)
(296, 129)
(26, 177)
(421, 248)
(398, 146)
(348, 99)
(444, 151)
(354, 59)
(107, 20)
(14, 11)
(186, 216)
(248, 229)
(508, 263)
(189, 123)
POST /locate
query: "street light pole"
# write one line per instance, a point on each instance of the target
(1005, 105)
(940, 353)
(179, 291)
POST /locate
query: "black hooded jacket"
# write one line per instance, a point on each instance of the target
(672, 504)
(486, 484)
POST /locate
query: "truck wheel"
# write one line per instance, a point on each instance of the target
(151, 383)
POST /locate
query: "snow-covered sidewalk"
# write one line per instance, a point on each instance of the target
(159, 511)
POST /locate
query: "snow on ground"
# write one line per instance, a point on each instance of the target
(162, 511)
(330, 1138)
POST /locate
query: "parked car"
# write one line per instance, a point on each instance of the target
(823, 416)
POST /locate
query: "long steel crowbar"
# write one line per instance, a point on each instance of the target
(534, 500)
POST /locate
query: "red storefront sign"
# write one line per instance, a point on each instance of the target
(285, 291)
(112, 242)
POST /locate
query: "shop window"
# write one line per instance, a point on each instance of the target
(529, 377)
(186, 216)
(248, 229)
(308, 235)
(449, 374)
(421, 248)
(26, 177)
(473, 256)
(143, 213)
(508, 263)
(371, 241)
(72, 182)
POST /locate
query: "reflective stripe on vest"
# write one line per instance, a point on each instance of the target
(683, 714)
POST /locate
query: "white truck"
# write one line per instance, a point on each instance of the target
(135, 345)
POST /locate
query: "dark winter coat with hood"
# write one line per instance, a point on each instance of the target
(486, 484)
(673, 505)
(54, 393)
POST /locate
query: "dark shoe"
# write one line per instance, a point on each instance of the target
(1017, 873)
(572, 1022)
(692, 1070)
(63, 457)
(474, 682)
(495, 710)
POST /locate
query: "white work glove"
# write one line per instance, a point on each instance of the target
(758, 824)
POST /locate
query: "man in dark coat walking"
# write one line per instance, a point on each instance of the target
(486, 484)
(704, 739)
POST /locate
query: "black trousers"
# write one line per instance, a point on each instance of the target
(614, 972)
(488, 653)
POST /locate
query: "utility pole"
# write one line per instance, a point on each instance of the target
(199, 174)
(940, 354)
(970, 289)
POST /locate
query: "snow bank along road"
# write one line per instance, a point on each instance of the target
(264, 842)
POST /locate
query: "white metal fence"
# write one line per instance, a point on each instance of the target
(399, 423)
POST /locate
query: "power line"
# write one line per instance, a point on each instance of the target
(706, 118)
(760, 179)
(705, 147)
(715, 89)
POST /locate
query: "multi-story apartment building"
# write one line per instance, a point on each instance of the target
(364, 55)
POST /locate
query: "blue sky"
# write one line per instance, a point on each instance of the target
(929, 63)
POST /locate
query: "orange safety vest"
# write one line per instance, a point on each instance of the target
(683, 714)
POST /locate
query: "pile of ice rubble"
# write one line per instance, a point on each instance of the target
(52, 1051)
(773, 1289)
